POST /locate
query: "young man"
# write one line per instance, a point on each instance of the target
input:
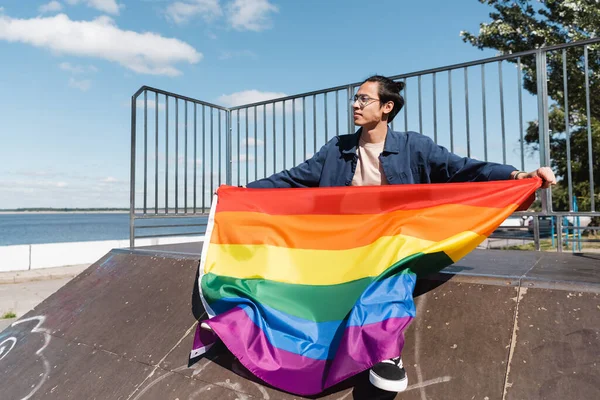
(376, 155)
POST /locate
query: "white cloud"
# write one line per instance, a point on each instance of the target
(145, 53)
(182, 11)
(67, 191)
(243, 158)
(107, 6)
(53, 6)
(111, 181)
(252, 142)
(252, 15)
(248, 97)
(29, 186)
(227, 55)
(36, 173)
(82, 85)
(256, 96)
(151, 104)
(77, 69)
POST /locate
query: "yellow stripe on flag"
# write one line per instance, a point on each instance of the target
(327, 267)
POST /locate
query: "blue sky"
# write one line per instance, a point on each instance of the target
(69, 68)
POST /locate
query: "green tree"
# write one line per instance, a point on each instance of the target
(520, 25)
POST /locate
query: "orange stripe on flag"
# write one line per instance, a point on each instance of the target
(340, 232)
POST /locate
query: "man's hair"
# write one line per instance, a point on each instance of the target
(388, 91)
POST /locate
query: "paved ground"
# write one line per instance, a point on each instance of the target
(495, 325)
(21, 291)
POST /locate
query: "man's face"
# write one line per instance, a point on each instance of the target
(368, 110)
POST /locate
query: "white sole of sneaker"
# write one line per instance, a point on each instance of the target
(387, 385)
(205, 326)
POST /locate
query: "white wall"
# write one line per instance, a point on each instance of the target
(14, 258)
(48, 255)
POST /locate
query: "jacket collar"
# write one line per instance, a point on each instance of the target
(392, 142)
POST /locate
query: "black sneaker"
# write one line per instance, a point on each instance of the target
(389, 375)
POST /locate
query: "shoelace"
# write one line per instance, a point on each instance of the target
(398, 362)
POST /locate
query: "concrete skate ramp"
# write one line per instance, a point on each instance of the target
(496, 325)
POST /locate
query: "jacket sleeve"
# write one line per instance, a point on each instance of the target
(449, 167)
(306, 174)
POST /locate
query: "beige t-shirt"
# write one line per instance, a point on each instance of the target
(368, 168)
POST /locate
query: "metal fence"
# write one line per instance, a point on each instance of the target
(183, 148)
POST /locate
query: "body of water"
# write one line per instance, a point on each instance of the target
(35, 228)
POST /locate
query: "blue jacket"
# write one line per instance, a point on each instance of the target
(407, 157)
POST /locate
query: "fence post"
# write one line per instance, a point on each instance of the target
(228, 149)
(350, 110)
(132, 176)
(559, 232)
(544, 134)
(536, 232)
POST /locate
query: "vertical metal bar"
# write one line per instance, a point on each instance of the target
(337, 112)
(239, 162)
(450, 110)
(484, 111)
(435, 139)
(203, 158)
(567, 129)
(304, 127)
(166, 154)
(520, 99)
(294, 131)
(405, 107)
(265, 140)
(350, 116)
(132, 173)
(467, 112)
(314, 124)
(284, 136)
(185, 160)
(212, 152)
(229, 146)
(502, 123)
(325, 114)
(536, 232)
(155, 152)
(420, 107)
(255, 145)
(145, 150)
(247, 152)
(544, 135)
(220, 149)
(274, 141)
(195, 153)
(589, 129)
(559, 238)
(176, 155)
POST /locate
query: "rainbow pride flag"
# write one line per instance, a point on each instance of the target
(308, 287)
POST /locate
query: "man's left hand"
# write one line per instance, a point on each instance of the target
(545, 173)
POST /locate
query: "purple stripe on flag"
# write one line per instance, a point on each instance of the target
(360, 348)
(203, 341)
(364, 346)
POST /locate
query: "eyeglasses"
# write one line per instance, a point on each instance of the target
(363, 100)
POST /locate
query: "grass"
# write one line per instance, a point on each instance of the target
(9, 315)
